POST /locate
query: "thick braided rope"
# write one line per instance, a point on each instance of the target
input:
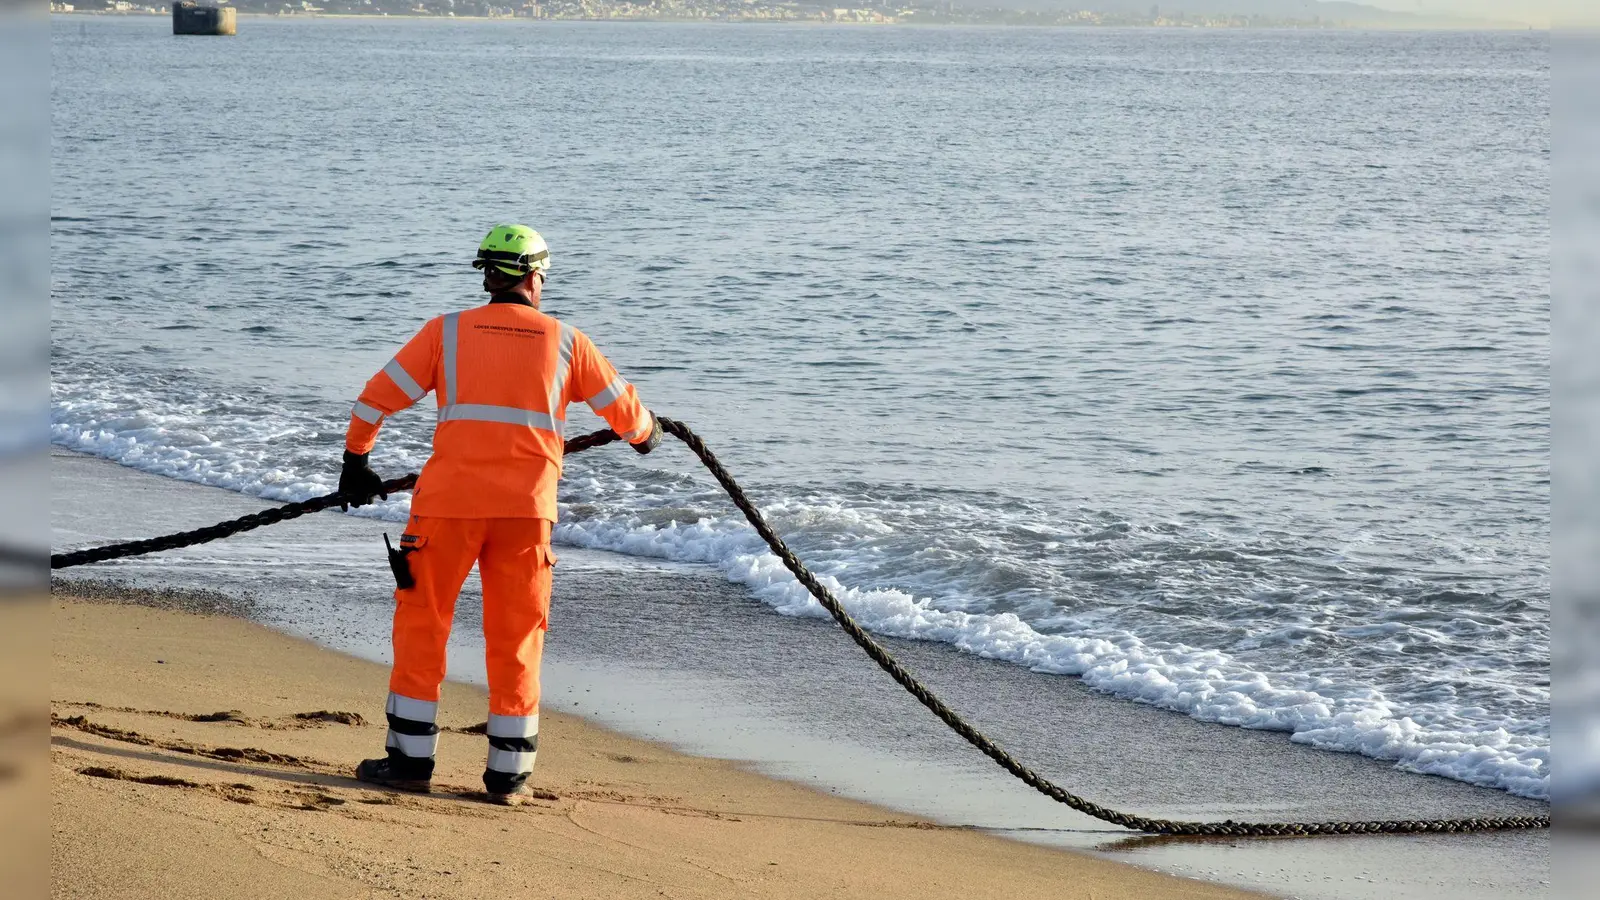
(872, 648)
(264, 517)
(1029, 777)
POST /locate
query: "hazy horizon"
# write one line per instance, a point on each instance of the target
(1532, 12)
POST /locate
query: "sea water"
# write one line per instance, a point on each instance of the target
(1209, 367)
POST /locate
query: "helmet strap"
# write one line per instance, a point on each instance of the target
(504, 288)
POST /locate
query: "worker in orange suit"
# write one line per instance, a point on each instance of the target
(503, 375)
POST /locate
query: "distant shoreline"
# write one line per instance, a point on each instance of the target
(637, 20)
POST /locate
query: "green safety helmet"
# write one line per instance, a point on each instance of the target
(514, 250)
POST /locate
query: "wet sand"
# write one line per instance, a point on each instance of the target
(196, 755)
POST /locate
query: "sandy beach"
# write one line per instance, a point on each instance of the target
(201, 755)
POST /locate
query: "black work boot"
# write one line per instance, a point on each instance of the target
(514, 797)
(507, 789)
(397, 771)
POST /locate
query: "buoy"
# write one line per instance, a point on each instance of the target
(191, 17)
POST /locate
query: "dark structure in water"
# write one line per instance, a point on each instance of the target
(190, 17)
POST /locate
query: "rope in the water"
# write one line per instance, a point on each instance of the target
(873, 649)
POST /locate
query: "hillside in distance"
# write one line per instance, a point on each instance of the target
(1286, 10)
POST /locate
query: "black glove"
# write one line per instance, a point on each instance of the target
(654, 440)
(358, 482)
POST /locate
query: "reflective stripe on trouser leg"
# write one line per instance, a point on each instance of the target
(516, 764)
(412, 726)
(513, 744)
(516, 568)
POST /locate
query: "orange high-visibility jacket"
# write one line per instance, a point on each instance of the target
(503, 375)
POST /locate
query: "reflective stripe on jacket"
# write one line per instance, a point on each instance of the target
(503, 375)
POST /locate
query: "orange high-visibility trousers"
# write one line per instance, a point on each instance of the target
(515, 563)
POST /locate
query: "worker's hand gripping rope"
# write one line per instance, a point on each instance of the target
(358, 483)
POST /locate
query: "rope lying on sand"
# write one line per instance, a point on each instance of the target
(873, 649)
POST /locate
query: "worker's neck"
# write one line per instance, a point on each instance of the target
(513, 297)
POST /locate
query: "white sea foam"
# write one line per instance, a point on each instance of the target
(1205, 684)
(234, 452)
(239, 453)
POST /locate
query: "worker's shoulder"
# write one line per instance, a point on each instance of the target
(577, 333)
